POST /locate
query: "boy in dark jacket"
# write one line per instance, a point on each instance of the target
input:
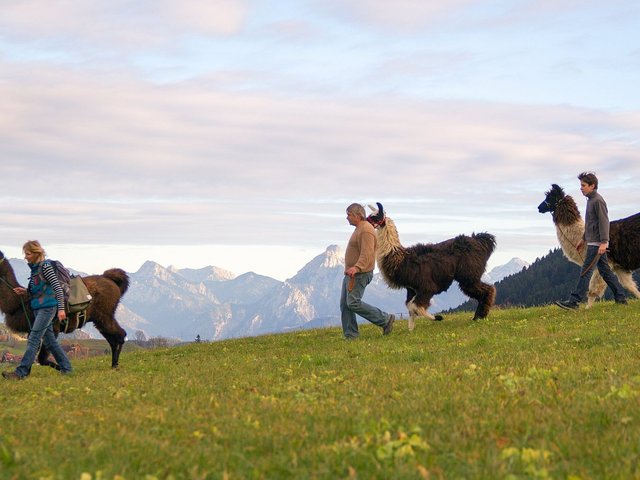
(596, 236)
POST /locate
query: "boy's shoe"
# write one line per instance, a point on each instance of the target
(386, 330)
(567, 304)
(12, 376)
(622, 302)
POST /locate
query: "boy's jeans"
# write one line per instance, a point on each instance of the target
(607, 275)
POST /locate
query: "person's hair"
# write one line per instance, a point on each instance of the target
(34, 246)
(589, 178)
(357, 209)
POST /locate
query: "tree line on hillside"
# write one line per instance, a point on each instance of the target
(546, 280)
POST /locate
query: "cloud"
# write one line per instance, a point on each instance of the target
(470, 18)
(187, 124)
(125, 162)
(400, 14)
(119, 23)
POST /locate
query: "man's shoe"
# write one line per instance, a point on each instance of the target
(622, 302)
(386, 330)
(12, 376)
(567, 304)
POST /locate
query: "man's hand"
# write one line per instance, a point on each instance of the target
(351, 271)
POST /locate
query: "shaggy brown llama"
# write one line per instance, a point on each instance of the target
(624, 238)
(106, 290)
(428, 269)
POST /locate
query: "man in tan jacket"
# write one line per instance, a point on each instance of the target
(359, 262)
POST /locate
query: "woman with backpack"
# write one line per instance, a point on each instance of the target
(47, 301)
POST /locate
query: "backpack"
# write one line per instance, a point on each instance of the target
(76, 295)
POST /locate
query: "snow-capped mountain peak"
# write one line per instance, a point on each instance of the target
(515, 265)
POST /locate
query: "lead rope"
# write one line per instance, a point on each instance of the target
(586, 270)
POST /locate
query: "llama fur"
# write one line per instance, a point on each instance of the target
(106, 291)
(425, 270)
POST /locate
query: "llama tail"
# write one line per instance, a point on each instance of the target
(119, 277)
(487, 241)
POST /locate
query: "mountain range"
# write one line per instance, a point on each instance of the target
(216, 304)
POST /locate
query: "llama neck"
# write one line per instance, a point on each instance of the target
(9, 301)
(569, 228)
(390, 252)
(388, 240)
(569, 237)
(566, 212)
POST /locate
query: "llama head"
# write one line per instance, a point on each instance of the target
(377, 217)
(551, 199)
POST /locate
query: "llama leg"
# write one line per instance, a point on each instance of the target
(626, 279)
(115, 354)
(116, 347)
(489, 296)
(413, 313)
(597, 286)
(113, 333)
(484, 293)
(420, 311)
(411, 308)
(43, 358)
(418, 306)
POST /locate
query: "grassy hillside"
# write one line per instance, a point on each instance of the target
(528, 393)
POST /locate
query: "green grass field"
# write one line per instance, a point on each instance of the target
(527, 393)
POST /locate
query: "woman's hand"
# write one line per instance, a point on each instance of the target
(20, 290)
(62, 315)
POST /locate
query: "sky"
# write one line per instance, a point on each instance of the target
(235, 133)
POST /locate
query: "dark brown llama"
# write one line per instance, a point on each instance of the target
(624, 238)
(428, 269)
(106, 290)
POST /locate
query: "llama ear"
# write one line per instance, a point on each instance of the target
(373, 209)
(377, 217)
